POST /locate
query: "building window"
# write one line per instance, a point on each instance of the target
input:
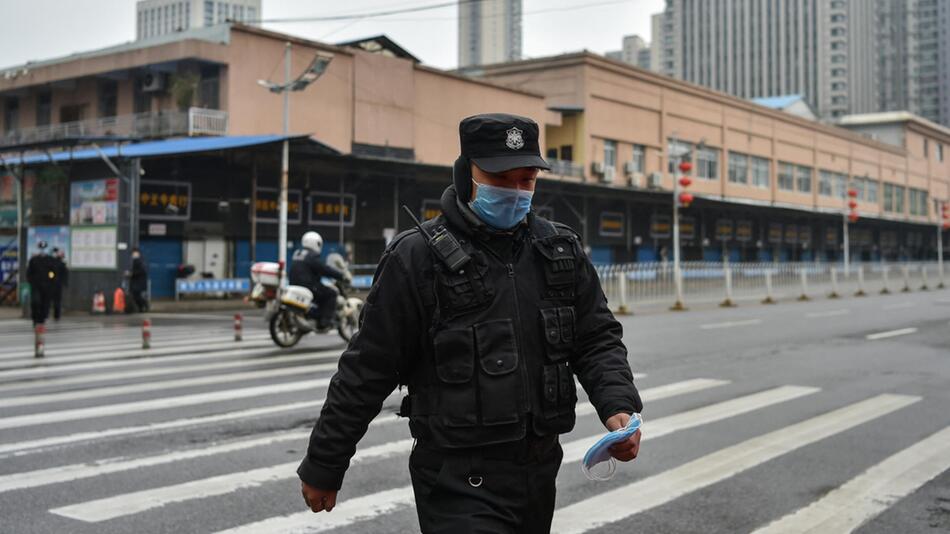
(11, 114)
(858, 184)
(893, 198)
(840, 182)
(939, 151)
(786, 176)
(824, 183)
(610, 154)
(918, 202)
(551, 154)
(44, 108)
(803, 179)
(108, 98)
(870, 190)
(209, 12)
(209, 88)
(251, 15)
(926, 149)
(738, 168)
(707, 163)
(639, 158)
(760, 172)
(677, 151)
(567, 152)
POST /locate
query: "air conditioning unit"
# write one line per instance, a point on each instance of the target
(597, 167)
(609, 174)
(636, 179)
(655, 180)
(153, 82)
(629, 168)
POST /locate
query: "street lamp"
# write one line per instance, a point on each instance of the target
(684, 199)
(943, 223)
(849, 215)
(316, 69)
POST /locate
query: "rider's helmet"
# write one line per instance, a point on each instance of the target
(312, 241)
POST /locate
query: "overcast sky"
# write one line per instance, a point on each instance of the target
(42, 29)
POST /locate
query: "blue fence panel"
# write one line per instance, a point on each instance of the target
(163, 256)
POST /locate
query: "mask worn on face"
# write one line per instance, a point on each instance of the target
(501, 207)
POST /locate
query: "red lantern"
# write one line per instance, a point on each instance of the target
(685, 167)
(852, 193)
(685, 181)
(853, 217)
(852, 204)
(686, 199)
(946, 226)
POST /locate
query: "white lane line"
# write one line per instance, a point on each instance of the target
(730, 324)
(68, 473)
(645, 494)
(162, 385)
(374, 505)
(158, 371)
(898, 306)
(131, 503)
(870, 493)
(60, 350)
(891, 333)
(165, 403)
(829, 313)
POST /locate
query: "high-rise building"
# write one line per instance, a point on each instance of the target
(635, 51)
(489, 32)
(161, 17)
(822, 49)
(657, 40)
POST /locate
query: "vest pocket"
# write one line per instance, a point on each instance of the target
(558, 327)
(465, 290)
(559, 263)
(560, 393)
(499, 386)
(455, 366)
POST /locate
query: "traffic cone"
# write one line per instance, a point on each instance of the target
(98, 303)
(238, 327)
(39, 348)
(118, 301)
(146, 333)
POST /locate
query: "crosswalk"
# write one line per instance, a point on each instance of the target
(107, 436)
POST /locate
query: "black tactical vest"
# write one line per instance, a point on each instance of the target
(502, 337)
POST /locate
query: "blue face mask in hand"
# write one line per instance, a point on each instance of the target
(501, 207)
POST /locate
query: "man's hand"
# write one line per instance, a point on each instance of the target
(625, 450)
(317, 499)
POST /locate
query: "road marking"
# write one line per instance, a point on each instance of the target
(871, 492)
(62, 350)
(730, 324)
(829, 313)
(648, 493)
(891, 333)
(140, 501)
(68, 473)
(898, 306)
(373, 505)
(161, 385)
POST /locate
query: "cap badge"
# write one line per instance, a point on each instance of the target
(514, 141)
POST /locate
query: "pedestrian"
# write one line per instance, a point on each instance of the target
(487, 318)
(138, 281)
(61, 282)
(41, 273)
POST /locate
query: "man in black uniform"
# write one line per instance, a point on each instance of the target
(138, 281)
(62, 280)
(307, 269)
(487, 322)
(41, 273)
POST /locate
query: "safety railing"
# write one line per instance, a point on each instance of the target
(652, 284)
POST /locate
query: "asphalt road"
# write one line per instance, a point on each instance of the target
(829, 415)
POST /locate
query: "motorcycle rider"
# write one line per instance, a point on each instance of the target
(307, 269)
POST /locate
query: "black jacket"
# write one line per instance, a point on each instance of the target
(307, 269)
(42, 272)
(488, 352)
(138, 279)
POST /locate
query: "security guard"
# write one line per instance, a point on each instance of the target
(41, 272)
(486, 313)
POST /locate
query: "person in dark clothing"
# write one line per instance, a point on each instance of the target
(62, 281)
(138, 281)
(307, 269)
(41, 272)
(487, 324)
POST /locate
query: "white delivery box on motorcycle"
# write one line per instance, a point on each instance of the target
(266, 273)
(298, 297)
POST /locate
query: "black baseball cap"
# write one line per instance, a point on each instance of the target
(498, 142)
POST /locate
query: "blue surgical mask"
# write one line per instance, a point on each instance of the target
(501, 207)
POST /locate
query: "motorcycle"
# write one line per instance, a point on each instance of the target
(290, 311)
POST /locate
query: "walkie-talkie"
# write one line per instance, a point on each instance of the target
(443, 244)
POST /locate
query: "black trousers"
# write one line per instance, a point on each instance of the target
(141, 303)
(40, 300)
(57, 303)
(325, 299)
(495, 490)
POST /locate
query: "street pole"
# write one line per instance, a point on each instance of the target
(847, 246)
(284, 171)
(939, 215)
(677, 274)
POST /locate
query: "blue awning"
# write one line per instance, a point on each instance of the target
(164, 147)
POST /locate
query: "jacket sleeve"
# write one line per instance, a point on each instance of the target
(320, 269)
(600, 360)
(370, 368)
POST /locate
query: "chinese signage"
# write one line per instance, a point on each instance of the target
(744, 231)
(228, 285)
(94, 247)
(791, 234)
(8, 265)
(7, 201)
(687, 227)
(94, 202)
(723, 229)
(165, 200)
(804, 235)
(775, 232)
(267, 205)
(611, 224)
(330, 209)
(431, 208)
(831, 236)
(55, 236)
(660, 226)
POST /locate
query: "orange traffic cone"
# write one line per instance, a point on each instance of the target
(98, 302)
(118, 301)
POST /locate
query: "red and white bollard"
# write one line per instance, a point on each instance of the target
(39, 348)
(146, 333)
(238, 327)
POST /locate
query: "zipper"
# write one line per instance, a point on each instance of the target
(522, 362)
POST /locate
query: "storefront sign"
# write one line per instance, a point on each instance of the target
(157, 229)
(687, 227)
(165, 200)
(431, 208)
(724, 229)
(267, 205)
(804, 235)
(660, 226)
(831, 236)
(744, 231)
(611, 224)
(329, 209)
(775, 233)
(791, 234)
(94, 202)
(8, 265)
(7, 201)
(55, 236)
(93, 247)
